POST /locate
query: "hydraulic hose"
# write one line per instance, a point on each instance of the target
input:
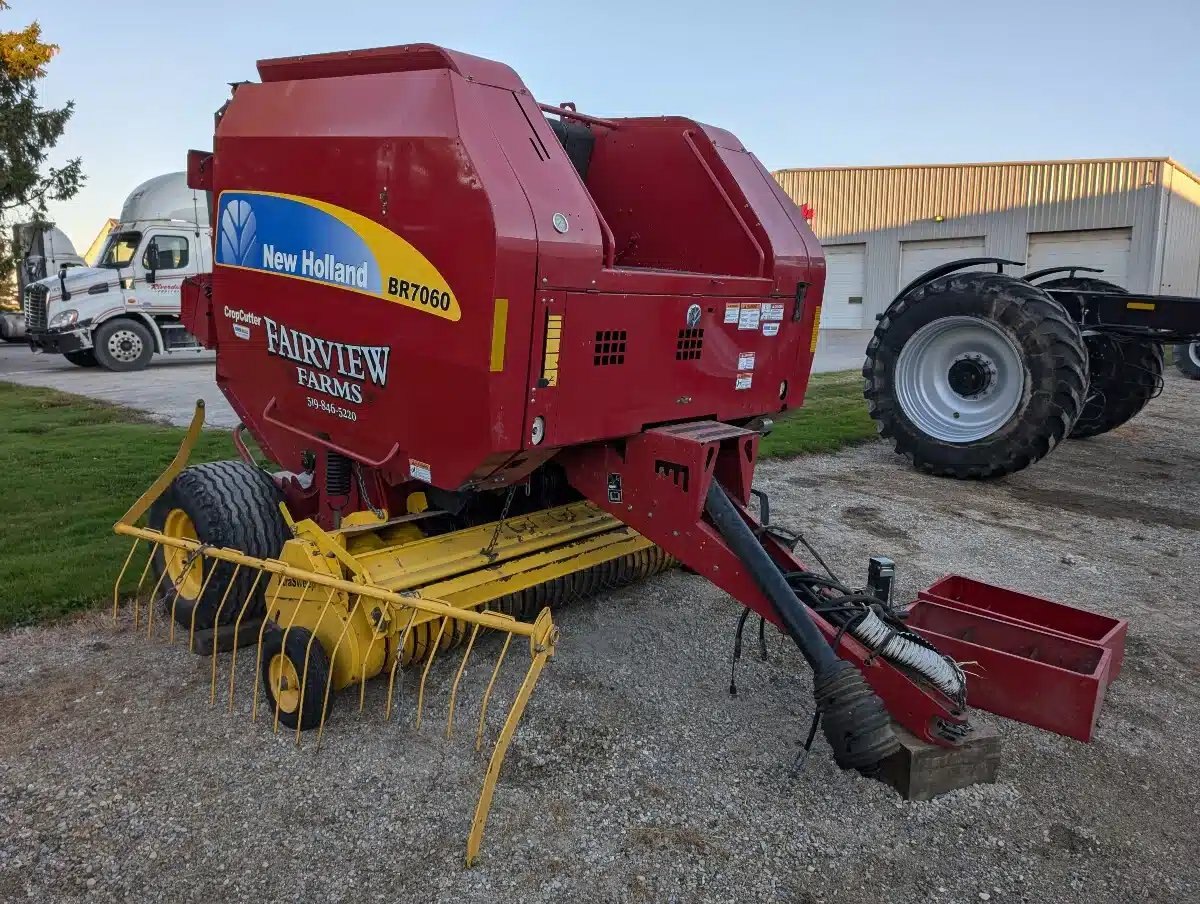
(853, 718)
(770, 579)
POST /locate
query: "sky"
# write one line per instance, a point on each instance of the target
(831, 83)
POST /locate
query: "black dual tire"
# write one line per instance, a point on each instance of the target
(310, 664)
(83, 358)
(1052, 357)
(1187, 359)
(123, 344)
(1124, 374)
(227, 503)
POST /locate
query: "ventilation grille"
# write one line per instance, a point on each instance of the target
(689, 345)
(609, 349)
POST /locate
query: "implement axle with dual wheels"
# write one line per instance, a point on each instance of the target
(974, 374)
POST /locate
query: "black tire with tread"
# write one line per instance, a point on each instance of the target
(1183, 360)
(231, 504)
(294, 643)
(1055, 360)
(106, 329)
(1123, 374)
(83, 358)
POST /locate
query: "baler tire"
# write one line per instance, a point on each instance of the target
(1187, 359)
(85, 357)
(293, 645)
(230, 504)
(1123, 374)
(1052, 357)
(110, 328)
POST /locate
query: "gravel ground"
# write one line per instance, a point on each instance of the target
(634, 776)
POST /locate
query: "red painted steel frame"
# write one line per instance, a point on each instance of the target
(674, 224)
(663, 477)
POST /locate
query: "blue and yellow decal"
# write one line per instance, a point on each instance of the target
(304, 238)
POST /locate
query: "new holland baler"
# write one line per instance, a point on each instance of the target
(500, 355)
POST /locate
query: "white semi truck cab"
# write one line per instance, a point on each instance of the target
(124, 310)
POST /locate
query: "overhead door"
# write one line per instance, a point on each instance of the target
(1107, 249)
(921, 257)
(845, 281)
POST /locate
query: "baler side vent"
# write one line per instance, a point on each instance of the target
(609, 348)
(689, 345)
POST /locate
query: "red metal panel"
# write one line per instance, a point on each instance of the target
(451, 155)
(1048, 680)
(1033, 611)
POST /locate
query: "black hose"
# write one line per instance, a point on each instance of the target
(854, 719)
(770, 579)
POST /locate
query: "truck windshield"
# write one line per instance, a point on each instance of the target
(119, 250)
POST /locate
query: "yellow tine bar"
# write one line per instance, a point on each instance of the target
(487, 695)
(428, 605)
(167, 477)
(387, 712)
(375, 635)
(493, 771)
(196, 610)
(212, 697)
(304, 675)
(137, 591)
(150, 602)
(332, 660)
(462, 667)
(121, 576)
(237, 626)
(425, 672)
(283, 647)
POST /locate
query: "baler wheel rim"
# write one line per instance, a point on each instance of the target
(285, 682)
(185, 572)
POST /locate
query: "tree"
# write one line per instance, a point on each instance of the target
(28, 133)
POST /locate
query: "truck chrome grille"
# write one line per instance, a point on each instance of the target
(35, 307)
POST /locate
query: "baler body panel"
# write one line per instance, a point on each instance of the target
(361, 168)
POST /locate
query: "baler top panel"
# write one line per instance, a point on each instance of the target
(416, 267)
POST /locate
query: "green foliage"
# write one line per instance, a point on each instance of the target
(71, 468)
(28, 132)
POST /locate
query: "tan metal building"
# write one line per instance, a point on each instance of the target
(1138, 219)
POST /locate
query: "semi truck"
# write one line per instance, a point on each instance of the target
(123, 310)
(41, 249)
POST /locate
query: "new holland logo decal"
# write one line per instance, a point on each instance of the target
(303, 238)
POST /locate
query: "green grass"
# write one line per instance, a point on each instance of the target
(70, 468)
(834, 415)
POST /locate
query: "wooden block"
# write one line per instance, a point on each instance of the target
(921, 771)
(202, 640)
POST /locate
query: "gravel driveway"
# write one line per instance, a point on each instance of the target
(634, 776)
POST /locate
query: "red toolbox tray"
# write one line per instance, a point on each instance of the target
(1040, 614)
(1015, 670)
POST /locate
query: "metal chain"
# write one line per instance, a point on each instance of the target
(489, 551)
(381, 514)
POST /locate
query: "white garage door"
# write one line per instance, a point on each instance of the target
(920, 257)
(845, 282)
(1107, 249)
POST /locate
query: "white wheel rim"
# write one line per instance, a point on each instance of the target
(125, 346)
(960, 379)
